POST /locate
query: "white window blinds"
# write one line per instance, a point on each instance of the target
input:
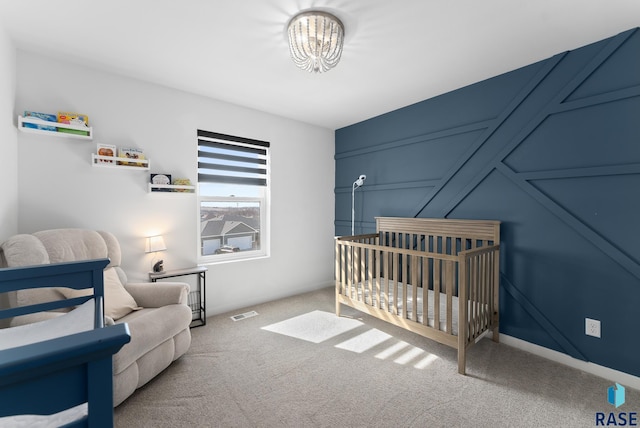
(231, 160)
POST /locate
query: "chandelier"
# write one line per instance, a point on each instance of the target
(315, 41)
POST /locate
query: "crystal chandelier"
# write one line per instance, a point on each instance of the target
(315, 41)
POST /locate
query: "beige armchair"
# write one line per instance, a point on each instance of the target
(157, 313)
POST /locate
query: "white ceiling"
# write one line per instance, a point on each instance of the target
(396, 52)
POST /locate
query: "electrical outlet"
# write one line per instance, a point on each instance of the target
(592, 327)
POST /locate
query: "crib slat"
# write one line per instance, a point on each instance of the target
(347, 268)
(405, 263)
(473, 316)
(378, 256)
(363, 274)
(425, 290)
(394, 284)
(470, 291)
(476, 306)
(355, 264)
(349, 271)
(385, 291)
(414, 291)
(356, 275)
(436, 293)
(341, 271)
(479, 325)
(483, 298)
(344, 271)
(339, 268)
(448, 269)
(372, 297)
(487, 283)
(483, 292)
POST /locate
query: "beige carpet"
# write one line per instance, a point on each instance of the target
(296, 364)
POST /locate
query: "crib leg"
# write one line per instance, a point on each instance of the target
(337, 307)
(462, 360)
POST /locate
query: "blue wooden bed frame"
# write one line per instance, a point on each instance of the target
(54, 375)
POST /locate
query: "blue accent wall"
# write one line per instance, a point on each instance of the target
(553, 151)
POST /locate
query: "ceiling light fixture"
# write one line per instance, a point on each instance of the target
(315, 41)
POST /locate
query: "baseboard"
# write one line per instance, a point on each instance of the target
(622, 378)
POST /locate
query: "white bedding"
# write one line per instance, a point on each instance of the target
(390, 294)
(78, 320)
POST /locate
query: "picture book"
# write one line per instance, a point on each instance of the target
(43, 116)
(130, 154)
(106, 150)
(73, 119)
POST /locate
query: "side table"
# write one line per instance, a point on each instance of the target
(197, 298)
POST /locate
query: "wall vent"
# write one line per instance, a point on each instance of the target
(244, 315)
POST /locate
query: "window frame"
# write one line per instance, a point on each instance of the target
(263, 199)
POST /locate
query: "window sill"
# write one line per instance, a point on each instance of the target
(224, 260)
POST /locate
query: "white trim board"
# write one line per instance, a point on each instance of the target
(594, 369)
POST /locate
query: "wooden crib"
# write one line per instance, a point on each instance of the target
(435, 277)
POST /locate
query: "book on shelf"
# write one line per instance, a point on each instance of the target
(162, 180)
(128, 154)
(42, 116)
(73, 119)
(106, 150)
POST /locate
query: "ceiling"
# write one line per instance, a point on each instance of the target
(395, 54)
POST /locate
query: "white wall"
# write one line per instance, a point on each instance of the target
(8, 140)
(59, 188)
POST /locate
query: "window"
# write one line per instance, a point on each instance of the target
(233, 190)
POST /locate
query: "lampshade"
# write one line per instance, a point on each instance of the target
(315, 41)
(155, 243)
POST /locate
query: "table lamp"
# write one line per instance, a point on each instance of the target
(155, 244)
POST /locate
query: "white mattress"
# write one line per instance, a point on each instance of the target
(400, 301)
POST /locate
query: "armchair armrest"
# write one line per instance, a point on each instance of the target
(158, 294)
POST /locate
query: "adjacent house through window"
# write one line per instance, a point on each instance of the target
(233, 190)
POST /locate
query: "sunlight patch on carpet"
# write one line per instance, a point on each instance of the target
(393, 349)
(409, 356)
(315, 326)
(426, 361)
(365, 341)
(404, 354)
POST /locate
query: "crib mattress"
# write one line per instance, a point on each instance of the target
(397, 293)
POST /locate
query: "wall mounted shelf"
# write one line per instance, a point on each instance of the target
(171, 188)
(116, 162)
(61, 134)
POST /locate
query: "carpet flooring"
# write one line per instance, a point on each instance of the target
(295, 364)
